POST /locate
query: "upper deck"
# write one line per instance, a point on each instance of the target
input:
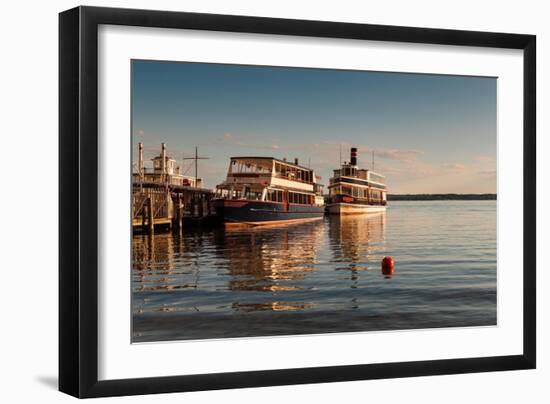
(270, 171)
(352, 175)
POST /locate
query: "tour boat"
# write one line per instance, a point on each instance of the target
(268, 191)
(355, 190)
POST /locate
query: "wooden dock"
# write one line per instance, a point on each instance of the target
(165, 198)
(166, 206)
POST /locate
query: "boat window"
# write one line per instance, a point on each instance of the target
(243, 167)
(252, 195)
(274, 195)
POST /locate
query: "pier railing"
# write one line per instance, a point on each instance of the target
(167, 205)
(161, 204)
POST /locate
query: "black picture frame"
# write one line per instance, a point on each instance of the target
(78, 201)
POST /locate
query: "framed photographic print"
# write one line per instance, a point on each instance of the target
(251, 201)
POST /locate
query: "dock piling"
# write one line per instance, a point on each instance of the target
(143, 219)
(150, 214)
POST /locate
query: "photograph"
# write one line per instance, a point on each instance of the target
(279, 200)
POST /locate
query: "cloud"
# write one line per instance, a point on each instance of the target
(329, 150)
(229, 138)
(397, 154)
(484, 159)
(457, 167)
(488, 173)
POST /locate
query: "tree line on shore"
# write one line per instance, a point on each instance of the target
(441, 197)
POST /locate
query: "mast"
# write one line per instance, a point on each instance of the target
(196, 158)
(141, 166)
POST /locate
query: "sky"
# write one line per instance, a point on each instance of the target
(429, 133)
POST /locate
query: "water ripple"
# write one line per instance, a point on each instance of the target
(320, 277)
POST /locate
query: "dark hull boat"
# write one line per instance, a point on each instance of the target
(267, 191)
(257, 213)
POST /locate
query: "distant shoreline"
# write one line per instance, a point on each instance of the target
(442, 197)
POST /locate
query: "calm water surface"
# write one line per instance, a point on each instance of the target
(320, 277)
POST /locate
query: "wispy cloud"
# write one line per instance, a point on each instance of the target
(456, 167)
(242, 141)
(397, 154)
(488, 173)
(329, 149)
(406, 170)
(484, 159)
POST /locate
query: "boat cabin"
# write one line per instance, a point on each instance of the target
(270, 179)
(351, 184)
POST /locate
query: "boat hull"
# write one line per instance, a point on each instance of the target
(343, 208)
(259, 213)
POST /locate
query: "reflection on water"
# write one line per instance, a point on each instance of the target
(357, 239)
(319, 276)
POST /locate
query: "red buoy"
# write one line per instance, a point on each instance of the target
(388, 265)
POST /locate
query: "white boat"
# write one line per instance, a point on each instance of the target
(354, 190)
(268, 191)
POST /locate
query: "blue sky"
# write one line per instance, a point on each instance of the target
(429, 133)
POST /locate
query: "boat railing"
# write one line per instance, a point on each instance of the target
(358, 201)
(291, 178)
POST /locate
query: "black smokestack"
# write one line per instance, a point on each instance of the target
(353, 157)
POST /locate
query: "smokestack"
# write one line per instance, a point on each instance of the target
(353, 156)
(296, 160)
(140, 163)
(163, 158)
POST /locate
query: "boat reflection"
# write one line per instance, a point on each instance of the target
(164, 262)
(257, 269)
(271, 259)
(271, 306)
(357, 242)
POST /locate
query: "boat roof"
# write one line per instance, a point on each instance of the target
(374, 172)
(361, 169)
(271, 158)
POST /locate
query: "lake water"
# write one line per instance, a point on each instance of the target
(320, 277)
